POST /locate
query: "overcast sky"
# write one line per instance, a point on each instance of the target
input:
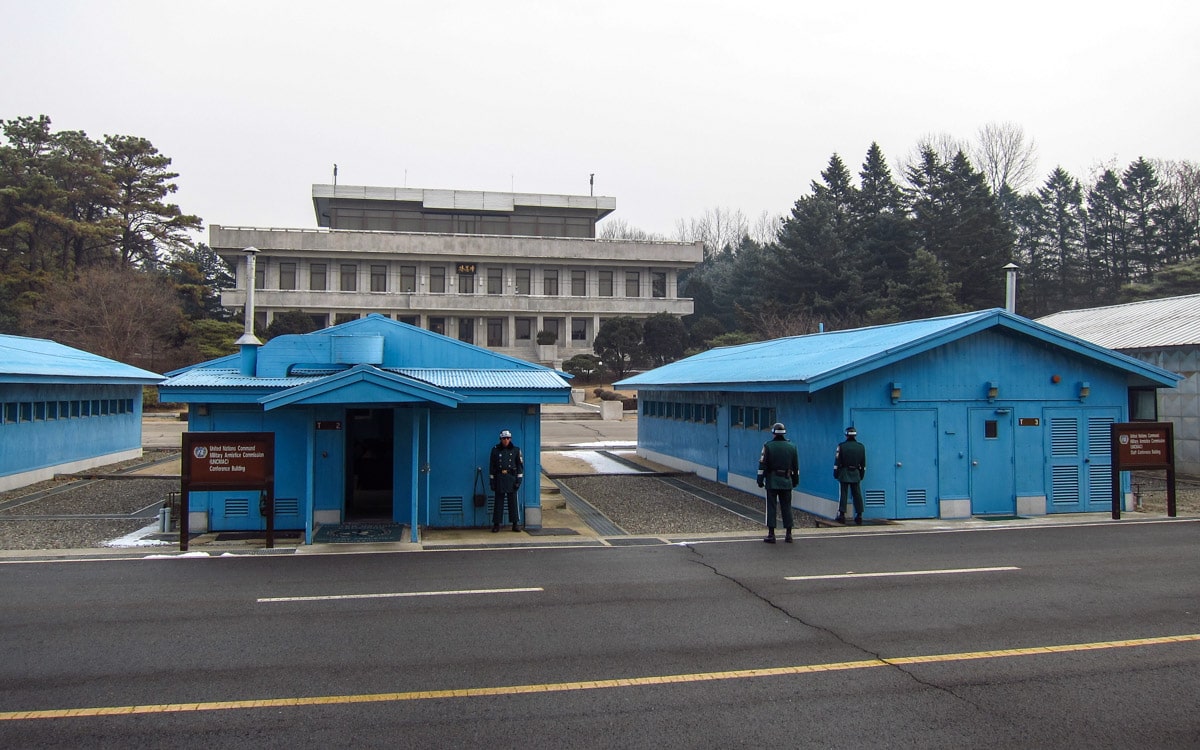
(676, 107)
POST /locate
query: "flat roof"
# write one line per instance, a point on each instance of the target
(462, 200)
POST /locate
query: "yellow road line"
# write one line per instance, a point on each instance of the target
(558, 687)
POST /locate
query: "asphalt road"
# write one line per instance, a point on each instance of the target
(1060, 643)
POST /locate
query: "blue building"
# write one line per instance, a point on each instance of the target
(373, 420)
(985, 413)
(65, 410)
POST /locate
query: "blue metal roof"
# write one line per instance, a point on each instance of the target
(404, 359)
(24, 360)
(819, 360)
(485, 379)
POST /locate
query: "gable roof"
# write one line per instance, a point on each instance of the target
(1149, 324)
(816, 361)
(24, 360)
(370, 360)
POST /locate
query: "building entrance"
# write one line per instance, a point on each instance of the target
(369, 476)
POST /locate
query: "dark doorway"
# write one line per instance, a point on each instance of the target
(369, 449)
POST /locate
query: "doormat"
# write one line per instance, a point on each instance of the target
(350, 533)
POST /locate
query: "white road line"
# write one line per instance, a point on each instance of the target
(890, 574)
(396, 595)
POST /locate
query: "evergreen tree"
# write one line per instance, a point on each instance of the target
(958, 219)
(1060, 228)
(1106, 232)
(1141, 192)
(149, 227)
(664, 338)
(885, 229)
(618, 343)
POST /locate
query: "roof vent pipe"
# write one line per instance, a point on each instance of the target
(1010, 287)
(249, 342)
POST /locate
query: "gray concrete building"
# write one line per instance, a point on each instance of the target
(491, 269)
(1166, 333)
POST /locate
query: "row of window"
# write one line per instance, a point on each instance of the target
(401, 220)
(492, 280)
(15, 412)
(752, 417)
(701, 413)
(464, 328)
(746, 417)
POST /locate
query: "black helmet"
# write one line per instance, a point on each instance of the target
(851, 432)
(778, 428)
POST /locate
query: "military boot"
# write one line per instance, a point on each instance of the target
(770, 536)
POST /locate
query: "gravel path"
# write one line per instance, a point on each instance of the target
(38, 516)
(649, 505)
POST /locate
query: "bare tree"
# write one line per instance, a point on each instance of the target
(1005, 156)
(773, 321)
(126, 315)
(765, 229)
(717, 228)
(1180, 183)
(943, 145)
(619, 229)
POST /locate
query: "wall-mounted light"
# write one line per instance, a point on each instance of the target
(896, 389)
(1085, 390)
(993, 390)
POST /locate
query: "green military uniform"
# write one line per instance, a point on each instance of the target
(849, 468)
(779, 472)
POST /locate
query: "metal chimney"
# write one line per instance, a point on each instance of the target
(249, 342)
(1010, 287)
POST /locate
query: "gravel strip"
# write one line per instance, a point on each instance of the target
(60, 534)
(96, 497)
(647, 505)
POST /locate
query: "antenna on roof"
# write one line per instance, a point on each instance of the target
(335, 175)
(592, 184)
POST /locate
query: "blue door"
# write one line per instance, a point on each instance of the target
(723, 444)
(1080, 459)
(993, 465)
(902, 476)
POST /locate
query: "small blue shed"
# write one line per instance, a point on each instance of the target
(65, 410)
(984, 413)
(374, 420)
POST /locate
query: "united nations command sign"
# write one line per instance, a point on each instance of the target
(228, 461)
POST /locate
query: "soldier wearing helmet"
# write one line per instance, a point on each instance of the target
(779, 473)
(506, 469)
(849, 468)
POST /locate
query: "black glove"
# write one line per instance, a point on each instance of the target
(516, 485)
(795, 482)
(835, 473)
(492, 483)
(761, 483)
(862, 473)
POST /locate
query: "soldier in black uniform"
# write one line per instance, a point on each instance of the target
(505, 472)
(849, 468)
(779, 472)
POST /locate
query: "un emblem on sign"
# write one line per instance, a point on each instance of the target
(200, 451)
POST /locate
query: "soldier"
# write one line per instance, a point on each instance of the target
(779, 472)
(505, 472)
(849, 468)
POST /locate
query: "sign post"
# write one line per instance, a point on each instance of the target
(228, 461)
(1142, 445)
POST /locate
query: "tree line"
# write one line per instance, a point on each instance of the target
(878, 249)
(93, 254)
